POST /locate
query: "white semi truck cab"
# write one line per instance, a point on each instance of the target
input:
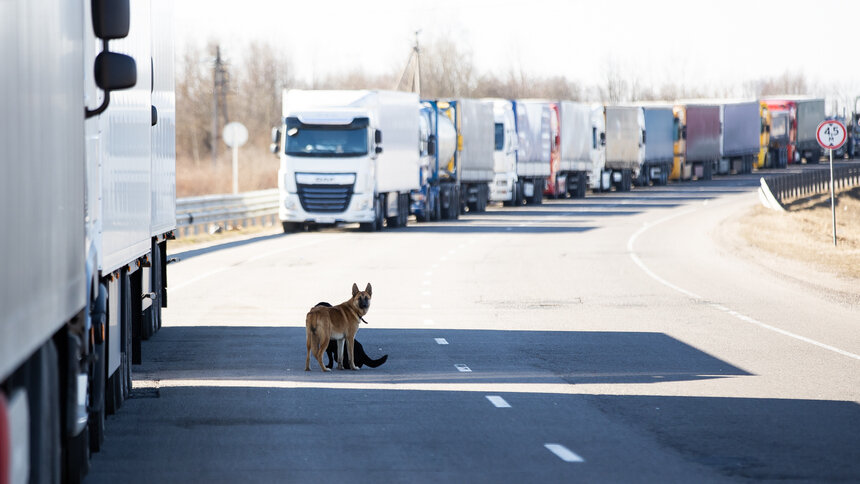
(333, 166)
(505, 155)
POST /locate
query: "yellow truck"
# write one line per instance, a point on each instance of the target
(765, 135)
(679, 166)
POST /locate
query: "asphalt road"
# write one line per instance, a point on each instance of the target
(611, 339)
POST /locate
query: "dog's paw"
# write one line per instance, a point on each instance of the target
(324, 369)
(354, 368)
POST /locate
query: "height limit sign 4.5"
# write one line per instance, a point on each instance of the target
(831, 134)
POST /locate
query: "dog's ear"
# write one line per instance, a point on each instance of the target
(354, 289)
(368, 290)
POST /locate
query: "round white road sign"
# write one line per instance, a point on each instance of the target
(235, 134)
(831, 134)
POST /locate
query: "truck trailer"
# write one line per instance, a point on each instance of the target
(575, 151)
(335, 167)
(741, 136)
(85, 274)
(625, 144)
(659, 149)
(535, 149)
(474, 159)
(702, 139)
(435, 199)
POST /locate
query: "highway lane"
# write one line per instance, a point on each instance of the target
(619, 327)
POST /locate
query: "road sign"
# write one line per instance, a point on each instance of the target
(831, 134)
(236, 134)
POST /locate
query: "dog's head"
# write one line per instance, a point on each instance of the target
(361, 299)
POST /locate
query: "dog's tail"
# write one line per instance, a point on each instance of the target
(375, 363)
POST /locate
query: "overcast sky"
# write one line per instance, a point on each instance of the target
(703, 43)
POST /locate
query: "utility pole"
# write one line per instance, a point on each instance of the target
(219, 99)
(410, 80)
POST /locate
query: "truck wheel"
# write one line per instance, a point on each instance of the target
(581, 184)
(44, 406)
(393, 222)
(707, 170)
(404, 212)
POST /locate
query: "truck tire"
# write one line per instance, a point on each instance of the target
(378, 217)
(707, 170)
(44, 407)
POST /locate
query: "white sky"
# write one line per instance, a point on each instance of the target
(692, 42)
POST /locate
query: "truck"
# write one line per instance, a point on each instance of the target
(570, 175)
(536, 145)
(805, 114)
(599, 180)
(779, 143)
(702, 137)
(741, 136)
(91, 173)
(625, 144)
(333, 168)
(435, 199)
(659, 149)
(764, 136)
(504, 182)
(680, 171)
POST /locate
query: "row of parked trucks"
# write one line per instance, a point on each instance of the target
(88, 203)
(442, 157)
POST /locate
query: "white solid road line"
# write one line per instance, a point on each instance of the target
(462, 368)
(564, 453)
(441, 341)
(498, 401)
(719, 307)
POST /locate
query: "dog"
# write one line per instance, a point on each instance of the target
(361, 358)
(339, 323)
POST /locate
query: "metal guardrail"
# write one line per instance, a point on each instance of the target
(211, 213)
(811, 182)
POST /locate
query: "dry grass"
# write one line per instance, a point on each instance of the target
(258, 170)
(805, 232)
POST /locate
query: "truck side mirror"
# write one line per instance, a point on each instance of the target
(431, 145)
(684, 133)
(154, 115)
(643, 138)
(276, 140)
(377, 136)
(602, 139)
(378, 150)
(115, 71)
(110, 19)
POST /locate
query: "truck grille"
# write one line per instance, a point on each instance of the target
(325, 198)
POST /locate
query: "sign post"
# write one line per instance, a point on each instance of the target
(831, 135)
(235, 135)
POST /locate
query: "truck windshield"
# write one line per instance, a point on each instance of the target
(500, 136)
(778, 126)
(326, 140)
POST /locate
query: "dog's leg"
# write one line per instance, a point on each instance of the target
(351, 348)
(340, 354)
(318, 352)
(308, 357)
(329, 353)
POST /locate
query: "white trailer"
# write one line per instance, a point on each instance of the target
(534, 153)
(334, 168)
(625, 144)
(504, 182)
(575, 153)
(81, 235)
(475, 153)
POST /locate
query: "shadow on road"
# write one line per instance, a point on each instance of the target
(528, 357)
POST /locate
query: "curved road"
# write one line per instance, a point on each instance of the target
(611, 339)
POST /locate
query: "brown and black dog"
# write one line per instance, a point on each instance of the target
(339, 323)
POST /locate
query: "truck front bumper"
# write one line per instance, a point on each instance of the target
(360, 209)
(502, 189)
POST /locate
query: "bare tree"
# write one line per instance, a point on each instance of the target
(446, 70)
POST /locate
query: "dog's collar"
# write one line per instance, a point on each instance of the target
(362, 320)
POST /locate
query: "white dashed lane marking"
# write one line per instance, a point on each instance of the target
(564, 453)
(441, 341)
(498, 401)
(462, 368)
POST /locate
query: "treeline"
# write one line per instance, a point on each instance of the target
(250, 92)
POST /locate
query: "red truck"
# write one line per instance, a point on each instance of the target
(805, 114)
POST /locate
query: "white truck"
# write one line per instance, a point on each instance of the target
(502, 189)
(335, 166)
(599, 180)
(88, 197)
(625, 144)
